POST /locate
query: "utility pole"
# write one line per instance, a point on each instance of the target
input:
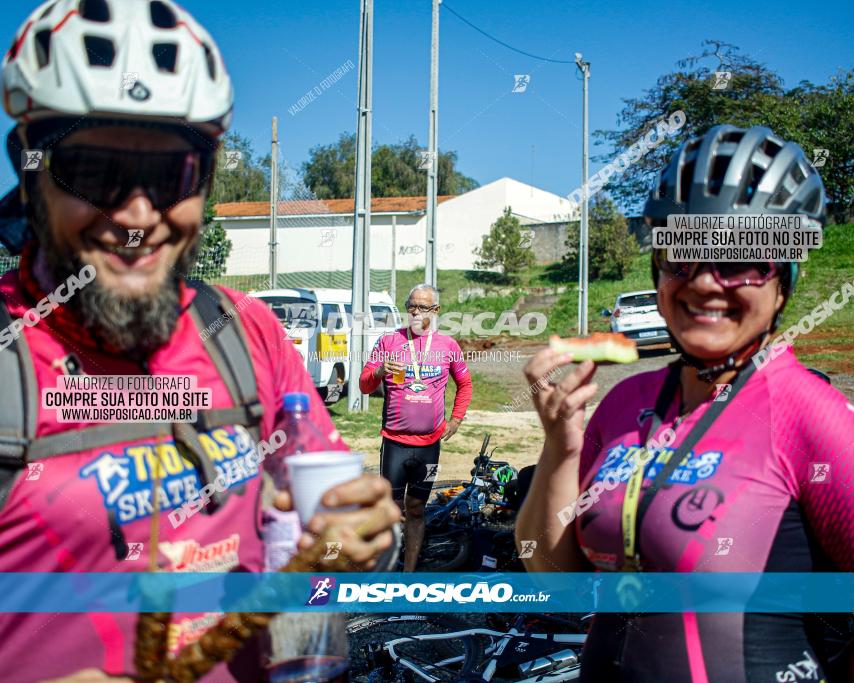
(584, 242)
(394, 259)
(274, 202)
(433, 156)
(356, 402)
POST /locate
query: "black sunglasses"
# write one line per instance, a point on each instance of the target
(105, 177)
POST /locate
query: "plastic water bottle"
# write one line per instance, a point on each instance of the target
(282, 530)
(305, 648)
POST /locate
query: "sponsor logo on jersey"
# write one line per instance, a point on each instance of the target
(123, 476)
(187, 631)
(698, 467)
(191, 556)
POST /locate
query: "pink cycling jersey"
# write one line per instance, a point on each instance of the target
(769, 487)
(58, 522)
(409, 413)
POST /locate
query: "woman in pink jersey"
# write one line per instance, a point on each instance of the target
(735, 458)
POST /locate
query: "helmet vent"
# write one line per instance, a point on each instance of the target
(100, 51)
(211, 62)
(47, 11)
(681, 194)
(798, 174)
(733, 136)
(719, 167)
(43, 47)
(752, 175)
(95, 10)
(165, 56)
(162, 15)
(771, 148)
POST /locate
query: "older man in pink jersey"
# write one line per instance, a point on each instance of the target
(414, 409)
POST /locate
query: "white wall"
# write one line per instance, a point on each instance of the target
(325, 243)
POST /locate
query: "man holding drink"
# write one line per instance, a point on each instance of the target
(414, 364)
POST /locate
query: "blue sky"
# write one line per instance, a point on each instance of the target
(277, 51)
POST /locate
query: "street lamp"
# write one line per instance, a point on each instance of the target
(584, 67)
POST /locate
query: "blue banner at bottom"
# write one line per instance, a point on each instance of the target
(427, 592)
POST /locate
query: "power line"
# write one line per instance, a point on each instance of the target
(501, 42)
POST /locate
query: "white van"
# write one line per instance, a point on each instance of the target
(319, 322)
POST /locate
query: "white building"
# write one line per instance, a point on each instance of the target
(318, 235)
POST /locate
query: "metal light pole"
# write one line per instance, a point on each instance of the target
(432, 144)
(583, 246)
(274, 202)
(362, 211)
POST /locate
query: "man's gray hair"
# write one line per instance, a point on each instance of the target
(422, 286)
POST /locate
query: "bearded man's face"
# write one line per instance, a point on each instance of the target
(133, 302)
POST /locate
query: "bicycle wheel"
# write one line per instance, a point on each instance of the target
(447, 660)
(444, 551)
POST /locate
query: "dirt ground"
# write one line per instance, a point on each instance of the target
(517, 435)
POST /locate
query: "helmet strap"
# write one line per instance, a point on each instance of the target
(710, 369)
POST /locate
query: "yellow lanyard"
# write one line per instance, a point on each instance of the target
(630, 511)
(416, 370)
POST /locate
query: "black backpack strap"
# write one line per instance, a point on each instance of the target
(228, 348)
(17, 417)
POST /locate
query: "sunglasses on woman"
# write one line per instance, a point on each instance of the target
(105, 177)
(727, 275)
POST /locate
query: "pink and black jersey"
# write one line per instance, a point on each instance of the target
(418, 417)
(768, 487)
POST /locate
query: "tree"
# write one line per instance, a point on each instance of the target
(249, 181)
(611, 246)
(214, 248)
(503, 247)
(813, 116)
(330, 170)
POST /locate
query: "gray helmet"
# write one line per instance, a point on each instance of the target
(735, 170)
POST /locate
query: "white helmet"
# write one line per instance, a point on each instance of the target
(117, 59)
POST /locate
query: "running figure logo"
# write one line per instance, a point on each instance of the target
(232, 159)
(321, 590)
(32, 160)
(332, 550)
(34, 471)
(820, 157)
(722, 391)
(724, 546)
(820, 472)
(135, 238)
(521, 82)
(527, 550)
(134, 551)
(432, 472)
(722, 80)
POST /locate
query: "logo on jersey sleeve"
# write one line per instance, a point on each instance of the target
(620, 461)
(124, 476)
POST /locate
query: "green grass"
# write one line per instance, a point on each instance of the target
(822, 274)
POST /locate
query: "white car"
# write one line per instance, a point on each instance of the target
(636, 316)
(319, 323)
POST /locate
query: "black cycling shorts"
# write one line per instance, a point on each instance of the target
(404, 465)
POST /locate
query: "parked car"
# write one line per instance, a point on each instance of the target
(636, 316)
(319, 322)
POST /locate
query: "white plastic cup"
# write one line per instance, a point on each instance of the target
(313, 474)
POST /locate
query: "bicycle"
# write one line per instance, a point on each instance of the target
(448, 526)
(418, 647)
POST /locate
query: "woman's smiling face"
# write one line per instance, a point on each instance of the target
(710, 321)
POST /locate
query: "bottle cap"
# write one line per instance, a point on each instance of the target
(295, 402)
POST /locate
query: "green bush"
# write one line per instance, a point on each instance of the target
(611, 246)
